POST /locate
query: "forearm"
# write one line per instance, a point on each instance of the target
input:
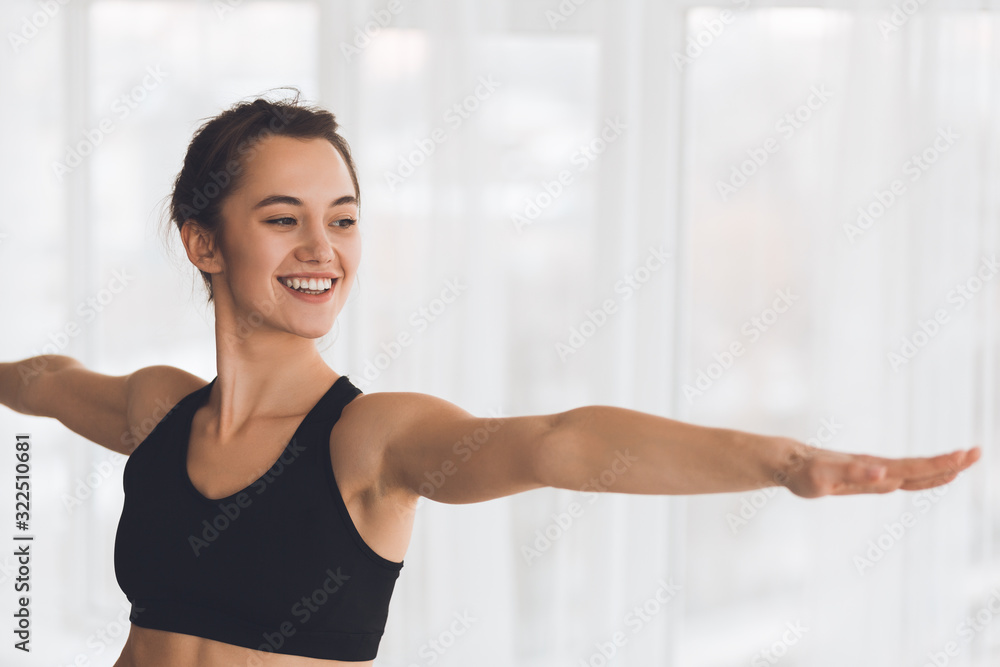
(637, 452)
(16, 378)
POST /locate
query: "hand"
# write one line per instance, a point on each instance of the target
(812, 472)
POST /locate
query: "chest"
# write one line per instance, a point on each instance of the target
(258, 455)
(218, 470)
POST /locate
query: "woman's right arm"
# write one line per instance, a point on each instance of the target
(90, 404)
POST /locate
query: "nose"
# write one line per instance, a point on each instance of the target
(316, 244)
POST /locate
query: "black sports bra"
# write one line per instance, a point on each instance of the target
(278, 566)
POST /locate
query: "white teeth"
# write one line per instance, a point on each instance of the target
(312, 284)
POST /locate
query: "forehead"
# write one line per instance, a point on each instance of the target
(295, 165)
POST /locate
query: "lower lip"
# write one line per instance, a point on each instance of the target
(310, 298)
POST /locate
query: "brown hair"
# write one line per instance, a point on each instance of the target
(221, 148)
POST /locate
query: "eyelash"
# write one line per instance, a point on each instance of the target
(350, 220)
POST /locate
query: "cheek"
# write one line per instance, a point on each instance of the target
(253, 260)
(350, 256)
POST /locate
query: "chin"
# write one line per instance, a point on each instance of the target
(313, 334)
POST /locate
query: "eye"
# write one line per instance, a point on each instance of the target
(343, 223)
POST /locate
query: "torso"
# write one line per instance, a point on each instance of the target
(217, 470)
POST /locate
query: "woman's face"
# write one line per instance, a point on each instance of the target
(294, 215)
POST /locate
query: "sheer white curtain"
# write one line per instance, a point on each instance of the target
(564, 204)
(865, 151)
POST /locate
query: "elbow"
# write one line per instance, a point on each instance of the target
(555, 455)
(27, 374)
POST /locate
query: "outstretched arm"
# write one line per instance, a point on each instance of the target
(666, 456)
(430, 447)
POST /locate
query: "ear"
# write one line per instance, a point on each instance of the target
(201, 247)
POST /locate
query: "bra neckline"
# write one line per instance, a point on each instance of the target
(201, 397)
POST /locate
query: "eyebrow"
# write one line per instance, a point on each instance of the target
(295, 201)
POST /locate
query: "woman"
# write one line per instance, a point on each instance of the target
(267, 513)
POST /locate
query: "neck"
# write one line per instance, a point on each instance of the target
(263, 373)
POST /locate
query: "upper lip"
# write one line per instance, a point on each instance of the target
(334, 276)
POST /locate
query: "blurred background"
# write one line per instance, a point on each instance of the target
(627, 192)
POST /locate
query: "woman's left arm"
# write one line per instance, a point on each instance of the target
(613, 449)
(435, 449)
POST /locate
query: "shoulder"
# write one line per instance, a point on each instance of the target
(373, 424)
(388, 415)
(161, 384)
(152, 392)
(422, 445)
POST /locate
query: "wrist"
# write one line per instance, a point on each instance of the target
(789, 456)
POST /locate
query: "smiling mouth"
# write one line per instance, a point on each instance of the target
(310, 286)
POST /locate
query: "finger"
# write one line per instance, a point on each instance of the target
(921, 468)
(966, 459)
(883, 486)
(972, 455)
(928, 484)
(869, 474)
